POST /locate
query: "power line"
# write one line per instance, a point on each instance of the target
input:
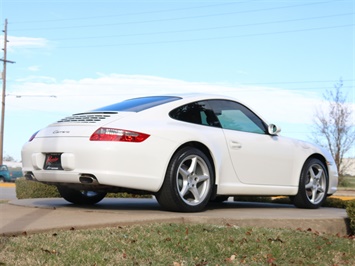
(34, 95)
(130, 14)
(207, 38)
(237, 87)
(271, 82)
(172, 19)
(205, 29)
(294, 82)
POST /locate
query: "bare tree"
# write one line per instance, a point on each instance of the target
(8, 158)
(333, 126)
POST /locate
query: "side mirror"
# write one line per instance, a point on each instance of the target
(273, 129)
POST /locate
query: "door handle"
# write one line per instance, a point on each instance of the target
(235, 145)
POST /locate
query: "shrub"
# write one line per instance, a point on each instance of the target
(335, 203)
(350, 209)
(126, 195)
(26, 189)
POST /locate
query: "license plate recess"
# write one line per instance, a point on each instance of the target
(53, 161)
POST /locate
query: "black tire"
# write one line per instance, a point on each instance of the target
(188, 182)
(313, 185)
(81, 197)
(2, 180)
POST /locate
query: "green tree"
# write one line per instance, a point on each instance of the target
(333, 126)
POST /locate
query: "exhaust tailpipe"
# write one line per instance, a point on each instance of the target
(30, 176)
(88, 179)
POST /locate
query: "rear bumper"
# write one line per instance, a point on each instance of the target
(125, 165)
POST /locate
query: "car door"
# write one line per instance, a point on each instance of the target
(257, 157)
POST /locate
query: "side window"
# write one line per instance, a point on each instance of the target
(196, 113)
(235, 116)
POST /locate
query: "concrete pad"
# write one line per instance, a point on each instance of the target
(36, 215)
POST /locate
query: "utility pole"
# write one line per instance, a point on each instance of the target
(5, 61)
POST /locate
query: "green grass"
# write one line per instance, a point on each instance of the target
(177, 244)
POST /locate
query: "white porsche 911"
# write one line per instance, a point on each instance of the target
(187, 150)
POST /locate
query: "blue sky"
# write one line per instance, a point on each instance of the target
(278, 57)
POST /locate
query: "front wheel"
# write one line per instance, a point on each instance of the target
(80, 197)
(188, 182)
(313, 185)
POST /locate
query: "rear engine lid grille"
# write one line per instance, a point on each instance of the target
(86, 118)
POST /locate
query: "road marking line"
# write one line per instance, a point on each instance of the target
(7, 185)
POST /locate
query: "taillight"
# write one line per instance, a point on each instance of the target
(33, 136)
(113, 134)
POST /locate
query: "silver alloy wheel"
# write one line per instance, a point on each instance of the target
(189, 181)
(316, 183)
(193, 180)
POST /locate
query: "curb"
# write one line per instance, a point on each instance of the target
(39, 215)
(7, 185)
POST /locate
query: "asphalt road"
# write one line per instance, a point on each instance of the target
(7, 191)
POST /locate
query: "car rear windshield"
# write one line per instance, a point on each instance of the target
(137, 104)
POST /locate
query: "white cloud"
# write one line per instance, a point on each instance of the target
(24, 82)
(274, 104)
(33, 68)
(26, 42)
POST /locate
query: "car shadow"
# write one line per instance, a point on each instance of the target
(135, 204)
(246, 204)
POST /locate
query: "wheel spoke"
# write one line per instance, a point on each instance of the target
(321, 190)
(202, 178)
(184, 173)
(312, 174)
(195, 193)
(184, 190)
(192, 167)
(319, 175)
(309, 185)
(314, 195)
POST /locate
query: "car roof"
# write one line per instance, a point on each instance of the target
(193, 96)
(138, 104)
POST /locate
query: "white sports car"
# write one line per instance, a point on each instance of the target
(187, 150)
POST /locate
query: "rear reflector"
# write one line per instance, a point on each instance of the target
(113, 134)
(33, 136)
